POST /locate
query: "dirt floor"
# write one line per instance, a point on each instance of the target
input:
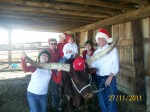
(13, 96)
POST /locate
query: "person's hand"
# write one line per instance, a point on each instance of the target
(109, 79)
(23, 55)
(59, 70)
(69, 51)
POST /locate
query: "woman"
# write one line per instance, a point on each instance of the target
(89, 50)
(38, 85)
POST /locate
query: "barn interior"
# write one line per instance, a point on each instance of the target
(127, 19)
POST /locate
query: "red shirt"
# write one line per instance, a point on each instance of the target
(57, 78)
(60, 49)
(55, 57)
(85, 52)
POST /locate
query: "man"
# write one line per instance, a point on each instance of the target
(106, 69)
(54, 59)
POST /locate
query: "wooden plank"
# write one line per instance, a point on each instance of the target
(146, 27)
(13, 70)
(125, 90)
(51, 19)
(147, 73)
(127, 70)
(146, 40)
(61, 6)
(148, 96)
(127, 73)
(53, 11)
(43, 15)
(131, 15)
(83, 38)
(10, 50)
(126, 83)
(90, 35)
(142, 2)
(99, 3)
(138, 56)
(125, 42)
(127, 30)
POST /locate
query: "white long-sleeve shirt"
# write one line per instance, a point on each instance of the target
(39, 81)
(107, 64)
(73, 47)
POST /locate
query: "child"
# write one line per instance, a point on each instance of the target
(38, 85)
(89, 50)
(70, 49)
(61, 44)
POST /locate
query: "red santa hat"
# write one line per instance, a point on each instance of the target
(68, 37)
(103, 33)
(63, 35)
(79, 64)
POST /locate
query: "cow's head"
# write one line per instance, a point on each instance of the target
(80, 78)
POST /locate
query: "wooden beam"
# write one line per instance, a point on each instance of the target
(132, 15)
(54, 23)
(61, 6)
(43, 15)
(53, 11)
(99, 3)
(142, 2)
(59, 20)
(37, 27)
(90, 35)
(10, 49)
(138, 57)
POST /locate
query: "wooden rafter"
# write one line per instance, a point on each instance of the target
(14, 16)
(42, 15)
(132, 15)
(49, 11)
(60, 6)
(98, 3)
(142, 2)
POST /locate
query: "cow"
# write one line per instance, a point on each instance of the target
(77, 86)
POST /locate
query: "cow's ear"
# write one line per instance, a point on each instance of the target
(90, 70)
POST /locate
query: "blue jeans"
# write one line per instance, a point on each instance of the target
(37, 103)
(64, 59)
(105, 94)
(54, 95)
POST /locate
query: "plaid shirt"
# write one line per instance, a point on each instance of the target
(55, 56)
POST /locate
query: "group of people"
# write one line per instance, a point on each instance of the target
(106, 69)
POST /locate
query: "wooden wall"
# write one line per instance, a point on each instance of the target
(126, 77)
(146, 36)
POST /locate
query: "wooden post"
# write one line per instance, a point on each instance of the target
(9, 49)
(138, 58)
(148, 96)
(90, 35)
(77, 39)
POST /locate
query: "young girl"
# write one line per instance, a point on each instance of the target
(70, 49)
(38, 85)
(89, 50)
(61, 44)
